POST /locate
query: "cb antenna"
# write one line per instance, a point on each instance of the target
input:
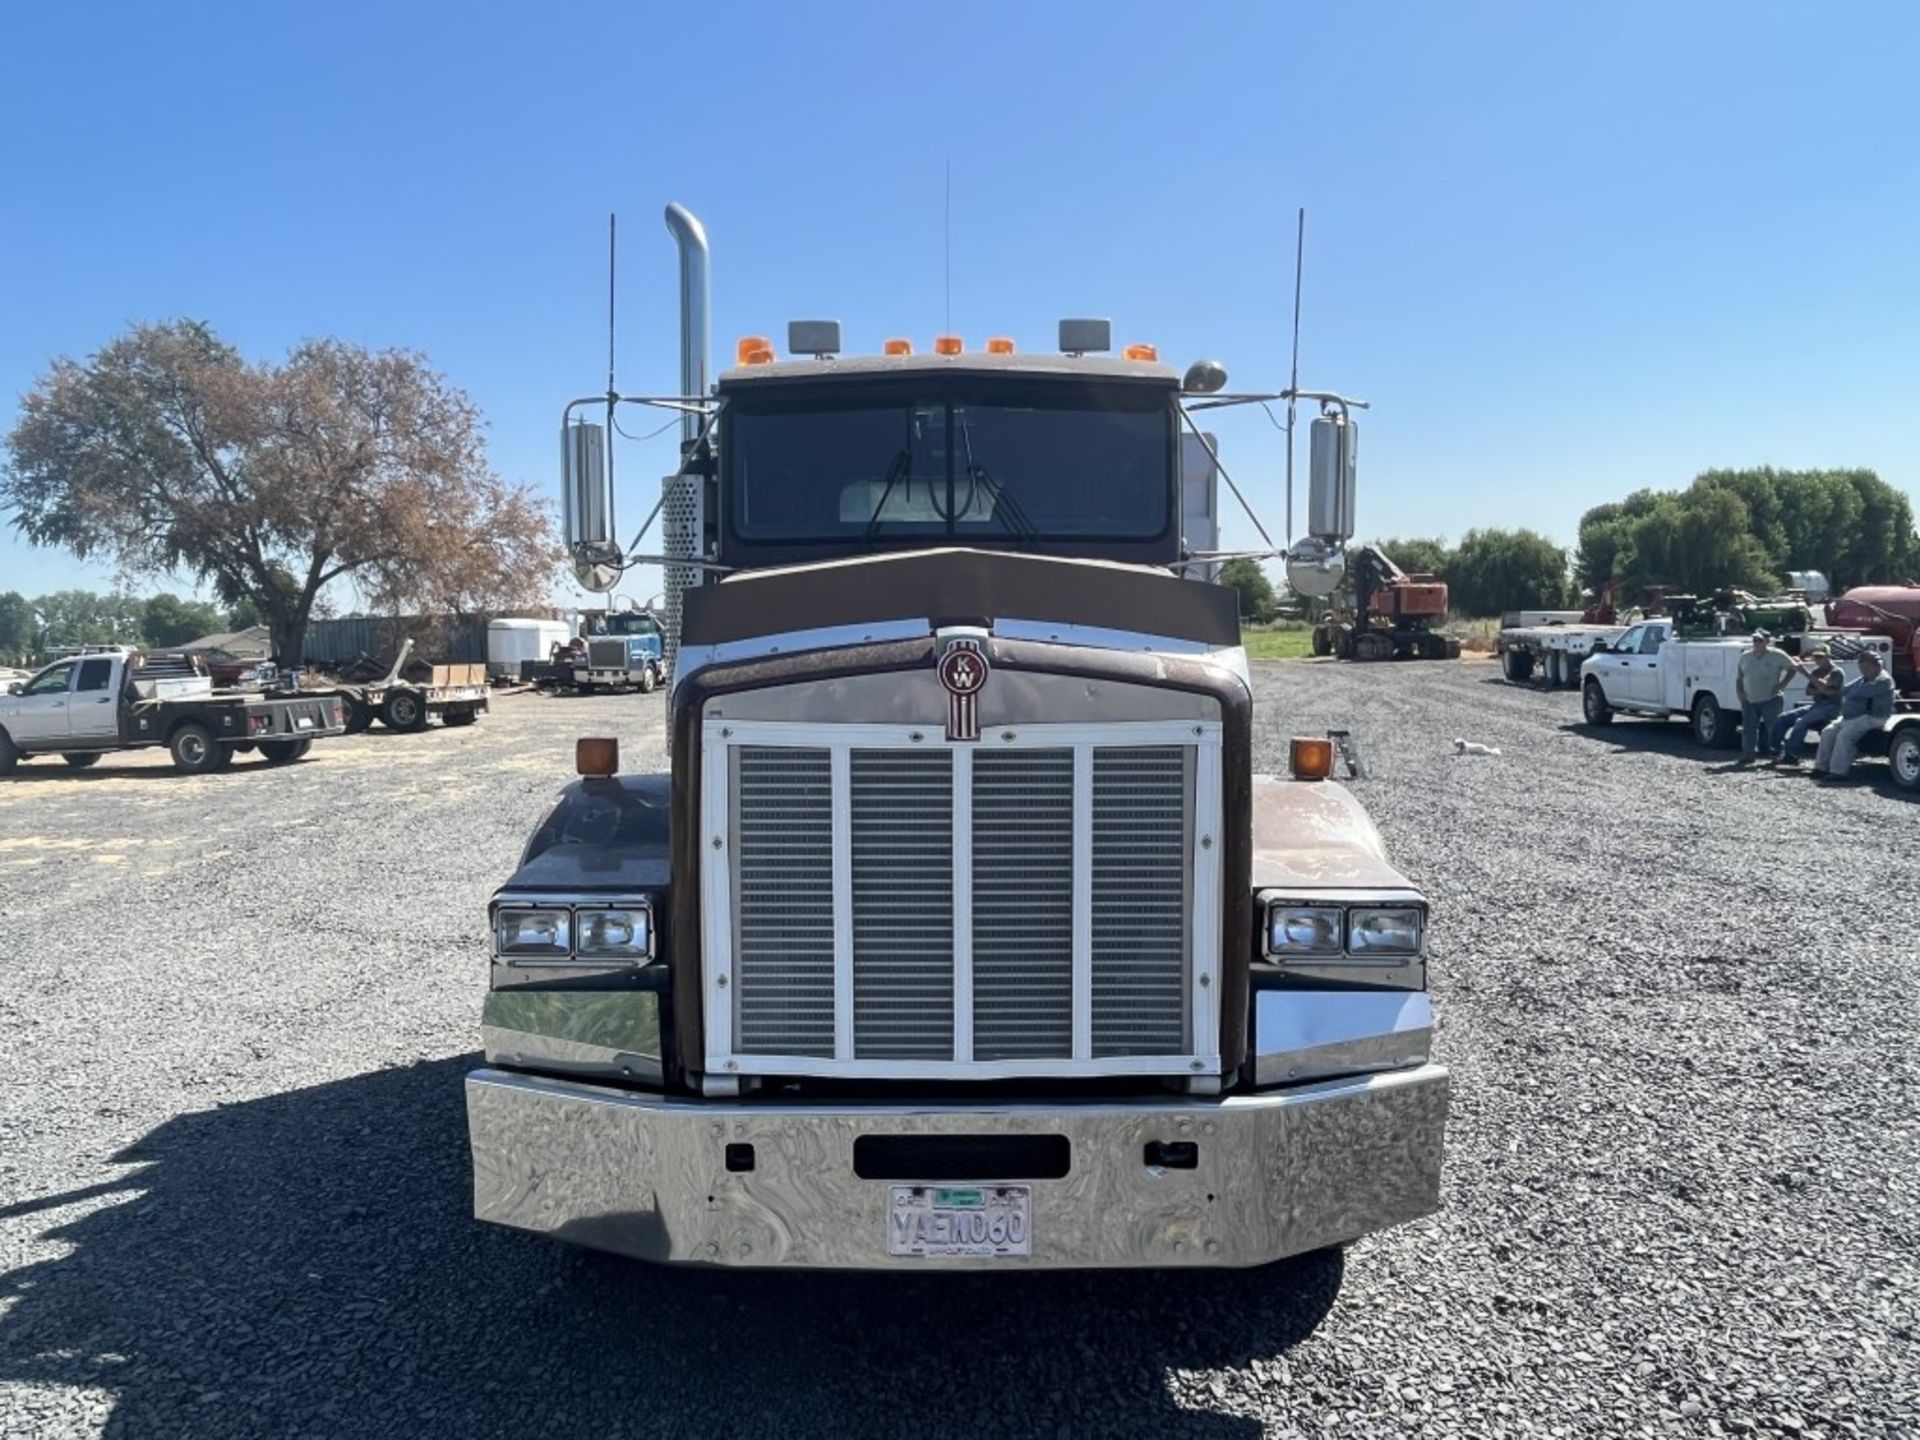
(946, 240)
(1293, 380)
(612, 222)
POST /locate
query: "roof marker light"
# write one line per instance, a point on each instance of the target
(897, 347)
(1141, 352)
(999, 345)
(754, 350)
(948, 344)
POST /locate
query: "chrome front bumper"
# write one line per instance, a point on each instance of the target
(1276, 1173)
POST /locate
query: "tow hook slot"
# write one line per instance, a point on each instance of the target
(1173, 1155)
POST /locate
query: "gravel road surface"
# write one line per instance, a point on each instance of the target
(1682, 1181)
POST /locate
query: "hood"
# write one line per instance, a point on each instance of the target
(960, 587)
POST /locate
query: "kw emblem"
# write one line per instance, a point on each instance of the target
(963, 671)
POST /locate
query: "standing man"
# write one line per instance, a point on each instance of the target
(1824, 683)
(1864, 707)
(1764, 673)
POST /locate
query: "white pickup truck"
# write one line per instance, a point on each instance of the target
(1652, 672)
(86, 705)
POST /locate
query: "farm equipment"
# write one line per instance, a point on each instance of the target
(458, 694)
(1889, 610)
(1395, 616)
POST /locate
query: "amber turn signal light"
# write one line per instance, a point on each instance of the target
(1310, 758)
(597, 755)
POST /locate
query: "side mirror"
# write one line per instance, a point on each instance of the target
(14, 687)
(587, 506)
(1333, 463)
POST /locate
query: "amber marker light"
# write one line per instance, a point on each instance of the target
(754, 350)
(948, 345)
(1310, 758)
(596, 755)
(999, 345)
(897, 347)
(1141, 352)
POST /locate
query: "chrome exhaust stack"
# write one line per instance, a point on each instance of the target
(695, 297)
(683, 501)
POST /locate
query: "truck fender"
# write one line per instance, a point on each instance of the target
(1313, 834)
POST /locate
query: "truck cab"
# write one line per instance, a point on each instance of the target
(961, 932)
(620, 648)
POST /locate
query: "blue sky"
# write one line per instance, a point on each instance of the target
(1567, 251)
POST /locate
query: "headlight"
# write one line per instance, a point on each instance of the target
(621, 934)
(1384, 930)
(1298, 930)
(544, 933)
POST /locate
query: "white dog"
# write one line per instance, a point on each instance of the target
(1467, 747)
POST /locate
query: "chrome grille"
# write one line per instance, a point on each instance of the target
(902, 836)
(607, 654)
(1140, 910)
(783, 841)
(1022, 903)
(883, 903)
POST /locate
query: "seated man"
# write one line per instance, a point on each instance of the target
(1824, 682)
(1864, 707)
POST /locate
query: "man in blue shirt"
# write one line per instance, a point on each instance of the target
(1865, 706)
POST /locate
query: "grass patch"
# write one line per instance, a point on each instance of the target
(1288, 640)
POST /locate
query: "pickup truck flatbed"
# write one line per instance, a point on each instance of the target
(89, 705)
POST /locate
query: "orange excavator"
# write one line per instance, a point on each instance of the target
(1395, 616)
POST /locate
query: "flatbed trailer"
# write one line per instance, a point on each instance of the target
(457, 694)
(1553, 653)
(93, 704)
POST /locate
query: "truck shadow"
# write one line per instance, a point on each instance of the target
(1670, 737)
(306, 1263)
(40, 772)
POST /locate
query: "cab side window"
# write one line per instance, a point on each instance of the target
(94, 674)
(1651, 641)
(1630, 642)
(50, 682)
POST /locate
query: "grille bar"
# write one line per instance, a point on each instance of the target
(1035, 904)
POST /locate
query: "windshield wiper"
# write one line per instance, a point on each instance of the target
(902, 461)
(1006, 509)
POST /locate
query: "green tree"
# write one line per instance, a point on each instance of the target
(1255, 590)
(243, 614)
(1498, 570)
(167, 620)
(168, 451)
(84, 617)
(19, 630)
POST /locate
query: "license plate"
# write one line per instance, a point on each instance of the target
(303, 722)
(960, 1220)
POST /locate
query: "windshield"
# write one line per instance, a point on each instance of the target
(1078, 464)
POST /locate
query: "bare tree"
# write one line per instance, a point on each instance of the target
(168, 451)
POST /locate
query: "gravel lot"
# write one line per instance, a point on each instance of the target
(1682, 1187)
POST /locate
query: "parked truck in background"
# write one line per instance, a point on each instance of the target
(94, 704)
(962, 932)
(1652, 672)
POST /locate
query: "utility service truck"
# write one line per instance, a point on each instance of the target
(93, 704)
(962, 932)
(1650, 671)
